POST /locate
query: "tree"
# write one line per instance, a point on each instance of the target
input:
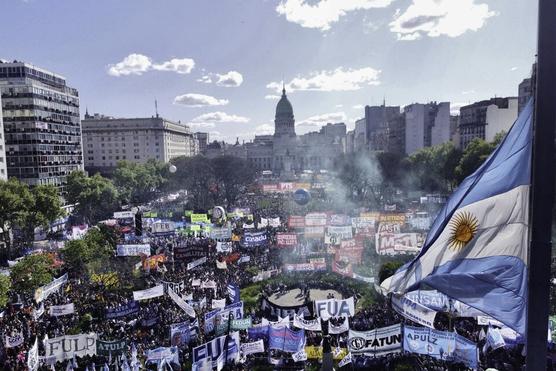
(32, 272)
(139, 183)
(433, 168)
(95, 197)
(476, 152)
(361, 178)
(46, 208)
(232, 175)
(15, 202)
(5, 286)
(196, 174)
(97, 245)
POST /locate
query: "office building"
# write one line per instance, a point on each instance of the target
(41, 124)
(108, 140)
(426, 125)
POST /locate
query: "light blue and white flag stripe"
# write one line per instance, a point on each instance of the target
(486, 268)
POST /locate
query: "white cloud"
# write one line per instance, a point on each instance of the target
(339, 79)
(358, 106)
(138, 64)
(231, 79)
(271, 97)
(435, 18)
(199, 100)
(467, 92)
(514, 69)
(455, 106)
(182, 66)
(218, 117)
(133, 64)
(202, 125)
(320, 120)
(323, 13)
(264, 129)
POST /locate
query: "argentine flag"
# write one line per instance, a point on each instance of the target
(476, 250)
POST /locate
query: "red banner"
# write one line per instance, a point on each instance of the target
(296, 221)
(286, 239)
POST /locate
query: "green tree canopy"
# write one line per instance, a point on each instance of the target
(5, 286)
(232, 175)
(95, 197)
(196, 174)
(139, 183)
(32, 272)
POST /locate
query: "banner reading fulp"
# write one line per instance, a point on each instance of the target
(65, 347)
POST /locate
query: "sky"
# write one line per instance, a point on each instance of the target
(218, 65)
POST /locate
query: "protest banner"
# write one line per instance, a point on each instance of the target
(363, 278)
(180, 333)
(33, 356)
(427, 341)
(223, 233)
(413, 311)
(199, 218)
(13, 340)
(240, 324)
(153, 292)
(133, 250)
(296, 221)
(124, 214)
(341, 232)
(466, 352)
(68, 346)
(61, 310)
(313, 232)
(307, 324)
(189, 253)
(163, 355)
(299, 356)
(253, 347)
(254, 239)
(224, 247)
(236, 309)
(213, 349)
(377, 342)
(178, 287)
(194, 264)
(188, 309)
(340, 328)
(316, 219)
(123, 310)
(286, 239)
(114, 347)
(326, 309)
(284, 339)
(44, 291)
(398, 243)
(392, 218)
(315, 352)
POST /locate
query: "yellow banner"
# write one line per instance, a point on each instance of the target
(199, 218)
(314, 352)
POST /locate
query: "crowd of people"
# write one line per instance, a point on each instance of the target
(149, 327)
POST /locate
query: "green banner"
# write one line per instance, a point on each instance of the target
(188, 212)
(150, 214)
(195, 228)
(115, 347)
(199, 218)
(241, 324)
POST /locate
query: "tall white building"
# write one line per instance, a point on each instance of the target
(107, 140)
(426, 125)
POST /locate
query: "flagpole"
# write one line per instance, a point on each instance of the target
(542, 187)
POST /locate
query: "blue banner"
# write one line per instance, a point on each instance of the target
(254, 239)
(233, 292)
(466, 352)
(424, 340)
(124, 310)
(259, 332)
(286, 340)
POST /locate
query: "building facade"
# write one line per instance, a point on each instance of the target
(486, 118)
(3, 168)
(41, 125)
(376, 121)
(108, 140)
(426, 125)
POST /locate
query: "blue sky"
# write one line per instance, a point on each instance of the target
(218, 64)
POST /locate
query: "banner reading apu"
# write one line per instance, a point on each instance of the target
(65, 347)
(422, 340)
(378, 342)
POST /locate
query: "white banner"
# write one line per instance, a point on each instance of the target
(274, 222)
(299, 356)
(124, 214)
(363, 278)
(218, 303)
(37, 313)
(221, 265)
(254, 347)
(378, 342)
(339, 329)
(316, 219)
(13, 340)
(153, 292)
(413, 311)
(343, 232)
(346, 360)
(33, 357)
(133, 250)
(43, 292)
(307, 324)
(65, 347)
(196, 263)
(334, 308)
(181, 303)
(61, 310)
(224, 247)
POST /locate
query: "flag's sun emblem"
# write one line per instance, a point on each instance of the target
(462, 230)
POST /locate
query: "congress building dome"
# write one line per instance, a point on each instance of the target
(284, 122)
